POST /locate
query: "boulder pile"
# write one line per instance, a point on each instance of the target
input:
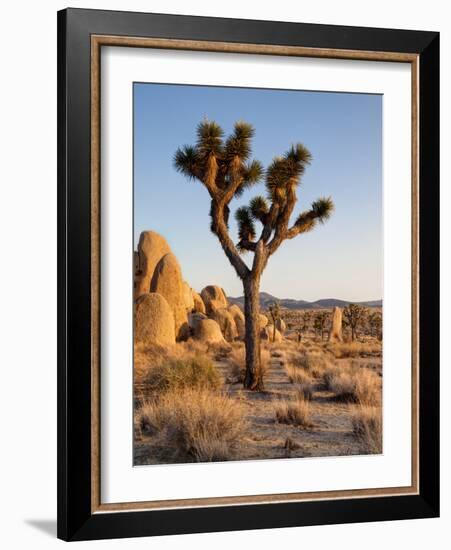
(154, 320)
(167, 310)
(167, 281)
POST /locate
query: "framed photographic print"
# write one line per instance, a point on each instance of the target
(248, 274)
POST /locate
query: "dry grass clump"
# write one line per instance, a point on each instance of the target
(355, 349)
(314, 363)
(148, 357)
(306, 390)
(367, 426)
(368, 388)
(191, 346)
(297, 375)
(237, 361)
(219, 350)
(295, 411)
(353, 385)
(190, 372)
(145, 357)
(195, 424)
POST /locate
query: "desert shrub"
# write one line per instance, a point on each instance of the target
(146, 357)
(368, 388)
(355, 349)
(219, 350)
(237, 361)
(314, 363)
(306, 390)
(190, 346)
(297, 375)
(295, 411)
(195, 424)
(353, 385)
(341, 382)
(195, 371)
(367, 426)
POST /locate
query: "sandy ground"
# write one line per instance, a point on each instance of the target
(330, 434)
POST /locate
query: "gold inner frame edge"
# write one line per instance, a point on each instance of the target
(97, 41)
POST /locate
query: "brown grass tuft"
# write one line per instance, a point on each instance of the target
(297, 375)
(295, 411)
(313, 363)
(306, 390)
(367, 426)
(353, 385)
(237, 361)
(195, 424)
(355, 349)
(190, 372)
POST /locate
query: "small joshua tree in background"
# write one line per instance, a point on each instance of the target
(274, 312)
(354, 316)
(224, 167)
(320, 323)
(305, 325)
(375, 324)
(306, 318)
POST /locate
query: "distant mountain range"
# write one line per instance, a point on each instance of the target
(267, 299)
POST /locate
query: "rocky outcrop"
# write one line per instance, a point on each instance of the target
(154, 321)
(280, 325)
(194, 318)
(214, 298)
(238, 317)
(188, 297)
(151, 248)
(226, 323)
(263, 321)
(208, 331)
(335, 334)
(167, 281)
(267, 334)
(199, 305)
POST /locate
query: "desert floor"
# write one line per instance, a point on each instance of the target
(339, 420)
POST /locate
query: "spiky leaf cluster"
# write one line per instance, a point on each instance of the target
(259, 209)
(224, 162)
(226, 169)
(285, 171)
(246, 226)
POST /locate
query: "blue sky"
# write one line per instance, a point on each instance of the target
(340, 259)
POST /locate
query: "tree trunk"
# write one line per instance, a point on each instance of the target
(254, 375)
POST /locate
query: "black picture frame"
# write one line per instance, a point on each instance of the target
(75, 518)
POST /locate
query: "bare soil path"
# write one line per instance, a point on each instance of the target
(330, 435)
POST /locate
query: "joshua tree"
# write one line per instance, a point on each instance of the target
(354, 315)
(274, 311)
(375, 324)
(224, 167)
(306, 318)
(321, 319)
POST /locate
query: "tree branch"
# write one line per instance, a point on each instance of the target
(245, 244)
(260, 258)
(211, 172)
(268, 227)
(219, 227)
(283, 220)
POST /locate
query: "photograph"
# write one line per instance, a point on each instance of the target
(257, 274)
